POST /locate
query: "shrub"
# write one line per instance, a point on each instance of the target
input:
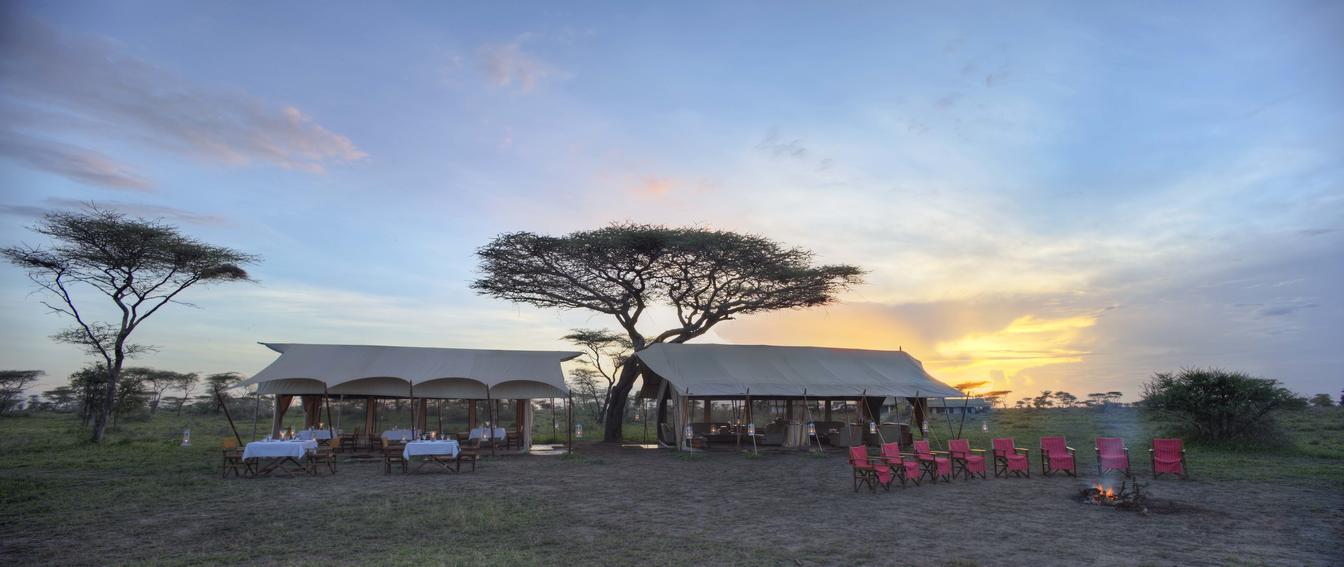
(1218, 405)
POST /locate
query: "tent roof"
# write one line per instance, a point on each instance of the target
(732, 370)
(393, 370)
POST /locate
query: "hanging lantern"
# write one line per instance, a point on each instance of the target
(811, 429)
(872, 428)
(924, 427)
(689, 432)
(578, 430)
(751, 429)
(186, 437)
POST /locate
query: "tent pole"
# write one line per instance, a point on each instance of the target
(966, 400)
(750, 418)
(569, 420)
(949, 418)
(225, 407)
(489, 432)
(326, 400)
(256, 410)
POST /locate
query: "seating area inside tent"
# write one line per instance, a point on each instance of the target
(754, 396)
(486, 381)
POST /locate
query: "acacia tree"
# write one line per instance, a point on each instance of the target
(138, 265)
(12, 385)
(157, 382)
(704, 276)
(599, 345)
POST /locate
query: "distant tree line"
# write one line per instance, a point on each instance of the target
(142, 393)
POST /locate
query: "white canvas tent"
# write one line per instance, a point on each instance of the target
(320, 370)
(705, 371)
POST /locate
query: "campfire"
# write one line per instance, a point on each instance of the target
(1128, 497)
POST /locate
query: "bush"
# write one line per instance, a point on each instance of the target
(1218, 405)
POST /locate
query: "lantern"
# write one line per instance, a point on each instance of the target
(751, 429)
(186, 437)
(984, 426)
(578, 430)
(872, 428)
(811, 429)
(925, 428)
(689, 432)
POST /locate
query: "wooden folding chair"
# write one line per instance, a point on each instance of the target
(1112, 455)
(468, 451)
(325, 455)
(393, 455)
(1010, 459)
(233, 459)
(966, 460)
(1057, 455)
(1168, 456)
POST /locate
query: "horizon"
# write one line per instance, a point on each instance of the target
(1049, 198)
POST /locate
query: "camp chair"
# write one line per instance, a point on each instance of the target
(1056, 455)
(468, 451)
(905, 469)
(934, 465)
(513, 439)
(965, 459)
(393, 455)
(325, 455)
(1112, 455)
(1008, 458)
(347, 443)
(233, 459)
(1168, 456)
(867, 470)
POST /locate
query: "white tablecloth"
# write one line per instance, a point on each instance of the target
(278, 449)
(425, 448)
(397, 434)
(319, 434)
(479, 433)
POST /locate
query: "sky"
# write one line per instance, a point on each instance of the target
(1045, 195)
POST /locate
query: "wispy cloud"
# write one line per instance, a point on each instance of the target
(69, 161)
(89, 86)
(510, 66)
(146, 210)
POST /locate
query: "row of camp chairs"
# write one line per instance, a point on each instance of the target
(1167, 456)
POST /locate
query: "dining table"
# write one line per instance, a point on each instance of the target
(442, 452)
(286, 456)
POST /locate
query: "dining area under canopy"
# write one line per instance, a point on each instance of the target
(317, 373)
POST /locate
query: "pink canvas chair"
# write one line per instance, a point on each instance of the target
(1009, 458)
(905, 469)
(1112, 455)
(867, 470)
(934, 465)
(1168, 456)
(1057, 455)
(965, 459)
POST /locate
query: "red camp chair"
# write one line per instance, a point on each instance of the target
(965, 459)
(867, 470)
(1112, 455)
(905, 469)
(1008, 458)
(1168, 456)
(934, 465)
(1057, 455)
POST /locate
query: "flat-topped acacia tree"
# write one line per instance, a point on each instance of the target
(138, 265)
(705, 276)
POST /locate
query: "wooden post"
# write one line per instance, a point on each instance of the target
(471, 414)
(827, 401)
(369, 410)
(569, 411)
(326, 399)
(424, 414)
(708, 415)
(225, 407)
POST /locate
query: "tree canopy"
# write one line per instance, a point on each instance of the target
(1217, 404)
(704, 276)
(139, 265)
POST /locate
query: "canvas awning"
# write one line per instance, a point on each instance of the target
(712, 370)
(395, 371)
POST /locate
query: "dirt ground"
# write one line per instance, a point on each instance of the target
(637, 506)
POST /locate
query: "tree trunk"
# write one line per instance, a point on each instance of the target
(109, 401)
(611, 430)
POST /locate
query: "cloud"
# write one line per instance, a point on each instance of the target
(90, 86)
(72, 162)
(507, 65)
(172, 214)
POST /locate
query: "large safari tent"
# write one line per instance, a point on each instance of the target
(316, 373)
(806, 383)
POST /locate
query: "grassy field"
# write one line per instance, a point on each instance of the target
(142, 499)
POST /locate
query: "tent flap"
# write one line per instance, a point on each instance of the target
(393, 371)
(733, 370)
